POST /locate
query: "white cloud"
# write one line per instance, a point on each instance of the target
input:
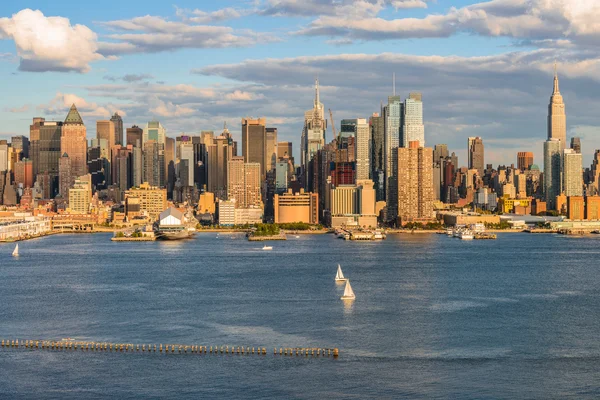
(203, 17)
(168, 109)
(150, 34)
(60, 104)
(50, 43)
(21, 109)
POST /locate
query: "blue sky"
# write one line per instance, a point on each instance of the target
(485, 68)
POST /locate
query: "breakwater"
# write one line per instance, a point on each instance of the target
(91, 346)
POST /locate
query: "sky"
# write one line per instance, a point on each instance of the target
(484, 68)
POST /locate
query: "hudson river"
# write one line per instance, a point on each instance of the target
(434, 317)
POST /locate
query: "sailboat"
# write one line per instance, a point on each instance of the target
(348, 292)
(15, 252)
(339, 276)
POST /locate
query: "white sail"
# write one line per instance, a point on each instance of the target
(15, 252)
(339, 276)
(348, 292)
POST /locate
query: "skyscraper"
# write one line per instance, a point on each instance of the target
(34, 140)
(576, 144)
(415, 182)
(185, 163)
(363, 149)
(105, 129)
(118, 127)
(475, 150)
(552, 166)
(219, 153)
(284, 149)
(313, 135)
(64, 176)
(524, 160)
(254, 142)
(48, 153)
(151, 168)
(271, 149)
(243, 183)
(154, 131)
(73, 141)
(135, 136)
(557, 119)
(572, 173)
(412, 127)
(392, 115)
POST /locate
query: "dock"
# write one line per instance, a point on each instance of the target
(165, 349)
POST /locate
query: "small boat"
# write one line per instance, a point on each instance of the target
(348, 292)
(297, 237)
(15, 252)
(466, 235)
(265, 247)
(339, 276)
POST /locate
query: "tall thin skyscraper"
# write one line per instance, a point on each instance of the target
(73, 141)
(552, 166)
(392, 115)
(363, 150)
(313, 135)
(475, 150)
(118, 128)
(557, 119)
(271, 149)
(572, 173)
(219, 153)
(415, 182)
(413, 129)
(254, 142)
(576, 144)
(34, 140)
(151, 168)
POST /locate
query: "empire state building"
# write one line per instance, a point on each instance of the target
(557, 119)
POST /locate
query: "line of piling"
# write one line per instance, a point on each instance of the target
(87, 346)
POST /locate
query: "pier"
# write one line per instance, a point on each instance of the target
(170, 349)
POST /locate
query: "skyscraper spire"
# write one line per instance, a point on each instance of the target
(317, 99)
(556, 90)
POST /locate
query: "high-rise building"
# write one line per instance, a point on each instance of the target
(166, 158)
(137, 165)
(392, 115)
(475, 150)
(118, 125)
(73, 141)
(284, 149)
(185, 163)
(440, 152)
(4, 156)
(557, 119)
(80, 195)
(219, 153)
(34, 141)
(243, 183)
(413, 129)
(48, 154)
(64, 176)
(363, 149)
(105, 129)
(135, 136)
(154, 131)
(24, 173)
(271, 149)
(151, 168)
(415, 183)
(122, 167)
(313, 135)
(572, 173)
(254, 142)
(20, 145)
(576, 144)
(524, 160)
(552, 174)
(98, 167)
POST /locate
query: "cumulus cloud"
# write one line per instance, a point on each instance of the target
(340, 8)
(129, 77)
(576, 20)
(21, 109)
(60, 104)
(50, 43)
(149, 34)
(203, 17)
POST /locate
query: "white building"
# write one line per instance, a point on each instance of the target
(363, 149)
(572, 173)
(226, 212)
(171, 217)
(413, 129)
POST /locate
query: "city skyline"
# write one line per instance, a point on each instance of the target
(495, 81)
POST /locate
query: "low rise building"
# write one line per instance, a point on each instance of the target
(152, 200)
(296, 207)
